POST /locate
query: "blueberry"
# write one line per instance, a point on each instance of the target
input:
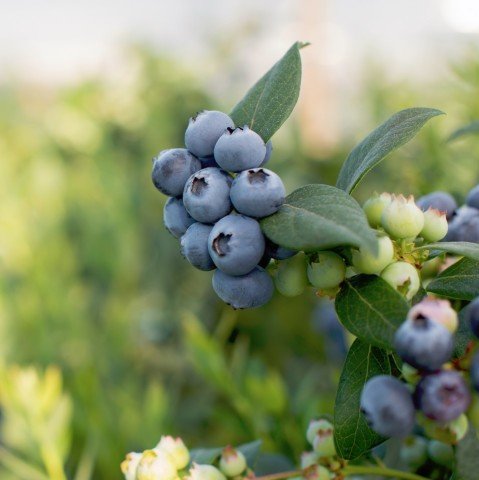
(441, 453)
(388, 407)
(442, 396)
(414, 451)
(269, 151)
(194, 246)
(236, 244)
(204, 130)
(176, 218)
(472, 199)
(326, 270)
(207, 195)
(472, 316)
(246, 291)
(441, 201)
(208, 162)
(239, 149)
(171, 170)
(464, 225)
(257, 192)
(365, 262)
(277, 252)
(423, 343)
(290, 277)
(474, 372)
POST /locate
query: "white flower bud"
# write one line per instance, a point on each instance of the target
(205, 472)
(156, 465)
(130, 465)
(232, 462)
(176, 449)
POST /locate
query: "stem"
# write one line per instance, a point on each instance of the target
(380, 471)
(280, 475)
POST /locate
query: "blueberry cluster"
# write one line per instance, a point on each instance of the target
(433, 386)
(219, 189)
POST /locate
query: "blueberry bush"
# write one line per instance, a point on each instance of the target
(404, 276)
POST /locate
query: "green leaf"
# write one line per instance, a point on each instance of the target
(459, 281)
(463, 249)
(251, 452)
(467, 456)
(371, 309)
(269, 463)
(319, 217)
(389, 136)
(205, 456)
(271, 100)
(463, 335)
(468, 129)
(352, 435)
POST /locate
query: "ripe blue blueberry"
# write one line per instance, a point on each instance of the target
(277, 252)
(171, 170)
(474, 372)
(442, 396)
(194, 246)
(423, 343)
(208, 162)
(176, 218)
(387, 406)
(239, 149)
(442, 201)
(204, 130)
(464, 225)
(207, 195)
(269, 151)
(472, 199)
(472, 316)
(246, 291)
(236, 244)
(257, 192)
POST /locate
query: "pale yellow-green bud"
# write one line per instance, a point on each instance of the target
(374, 206)
(403, 277)
(435, 225)
(402, 218)
(156, 465)
(365, 262)
(176, 449)
(130, 464)
(205, 472)
(232, 462)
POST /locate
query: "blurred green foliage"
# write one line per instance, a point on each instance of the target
(94, 290)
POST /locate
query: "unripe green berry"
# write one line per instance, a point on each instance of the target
(129, 466)
(402, 218)
(403, 277)
(410, 374)
(205, 472)
(441, 453)
(176, 449)
(156, 465)
(435, 225)
(326, 270)
(290, 278)
(450, 433)
(439, 311)
(414, 451)
(308, 459)
(365, 262)
(374, 206)
(320, 435)
(232, 462)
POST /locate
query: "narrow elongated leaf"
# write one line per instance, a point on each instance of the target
(463, 335)
(467, 456)
(205, 456)
(459, 281)
(352, 435)
(318, 217)
(389, 136)
(371, 309)
(469, 129)
(271, 100)
(251, 451)
(463, 249)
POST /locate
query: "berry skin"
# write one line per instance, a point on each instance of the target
(239, 149)
(290, 278)
(403, 277)
(269, 151)
(236, 244)
(203, 472)
(277, 252)
(414, 451)
(472, 199)
(204, 130)
(208, 162)
(207, 195)
(439, 311)
(435, 225)
(365, 262)
(194, 246)
(388, 407)
(472, 316)
(464, 225)
(247, 291)
(232, 462)
(440, 453)
(442, 201)
(171, 170)
(176, 449)
(374, 207)
(257, 192)
(474, 372)
(176, 218)
(442, 396)
(402, 218)
(423, 343)
(326, 270)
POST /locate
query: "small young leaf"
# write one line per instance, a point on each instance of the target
(467, 456)
(271, 100)
(352, 435)
(468, 129)
(389, 136)
(371, 309)
(459, 281)
(319, 217)
(251, 452)
(464, 249)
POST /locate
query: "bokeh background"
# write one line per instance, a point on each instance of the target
(108, 339)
